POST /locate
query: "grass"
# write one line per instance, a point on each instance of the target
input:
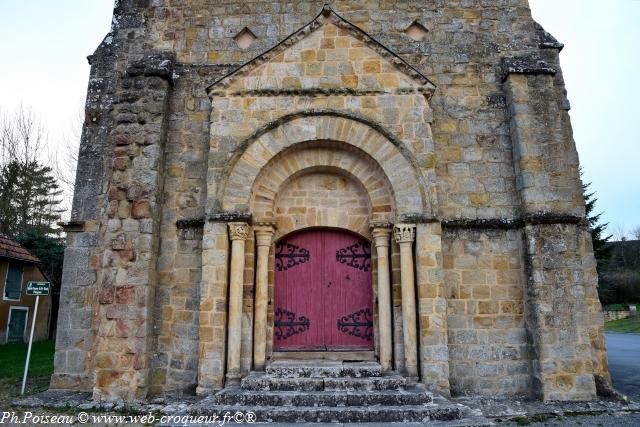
(13, 356)
(629, 325)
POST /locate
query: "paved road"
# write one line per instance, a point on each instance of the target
(624, 363)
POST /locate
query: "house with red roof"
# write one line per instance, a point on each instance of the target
(17, 268)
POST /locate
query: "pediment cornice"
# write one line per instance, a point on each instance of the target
(325, 17)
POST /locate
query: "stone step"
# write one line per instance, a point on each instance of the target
(323, 369)
(262, 382)
(350, 414)
(390, 382)
(322, 398)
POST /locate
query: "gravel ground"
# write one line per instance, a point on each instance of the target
(617, 420)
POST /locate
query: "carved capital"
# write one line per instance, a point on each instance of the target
(404, 233)
(381, 235)
(238, 230)
(264, 234)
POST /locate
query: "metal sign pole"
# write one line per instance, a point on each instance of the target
(33, 327)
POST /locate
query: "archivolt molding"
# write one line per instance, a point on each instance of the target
(394, 159)
(324, 157)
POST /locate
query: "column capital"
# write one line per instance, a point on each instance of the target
(264, 234)
(381, 234)
(404, 232)
(383, 225)
(238, 230)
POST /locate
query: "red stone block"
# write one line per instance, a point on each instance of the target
(123, 139)
(136, 192)
(120, 163)
(106, 295)
(138, 361)
(141, 209)
(124, 294)
(115, 194)
(122, 329)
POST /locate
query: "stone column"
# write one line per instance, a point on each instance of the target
(238, 232)
(405, 235)
(381, 236)
(264, 235)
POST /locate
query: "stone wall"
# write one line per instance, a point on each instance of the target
(322, 198)
(177, 310)
(213, 307)
(616, 315)
(488, 348)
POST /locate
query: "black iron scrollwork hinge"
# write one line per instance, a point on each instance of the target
(358, 324)
(287, 325)
(357, 256)
(289, 255)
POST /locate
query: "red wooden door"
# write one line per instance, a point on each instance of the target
(323, 295)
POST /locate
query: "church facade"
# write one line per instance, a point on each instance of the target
(387, 181)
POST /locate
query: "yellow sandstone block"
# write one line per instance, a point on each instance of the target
(371, 67)
(308, 55)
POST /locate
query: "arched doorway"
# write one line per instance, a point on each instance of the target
(323, 294)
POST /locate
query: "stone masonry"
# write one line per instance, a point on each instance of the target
(437, 130)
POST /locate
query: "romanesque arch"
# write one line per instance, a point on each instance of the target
(399, 167)
(364, 196)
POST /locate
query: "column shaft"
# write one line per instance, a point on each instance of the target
(264, 235)
(405, 235)
(238, 233)
(381, 239)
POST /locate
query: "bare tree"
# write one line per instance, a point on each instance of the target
(29, 191)
(22, 137)
(636, 232)
(65, 160)
(620, 233)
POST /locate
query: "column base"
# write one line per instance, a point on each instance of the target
(205, 391)
(232, 379)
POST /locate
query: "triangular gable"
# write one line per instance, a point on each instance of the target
(327, 17)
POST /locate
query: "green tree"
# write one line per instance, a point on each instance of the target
(29, 199)
(606, 288)
(598, 236)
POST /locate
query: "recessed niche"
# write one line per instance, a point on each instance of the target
(245, 38)
(416, 31)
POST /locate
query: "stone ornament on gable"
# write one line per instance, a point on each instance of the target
(404, 233)
(238, 231)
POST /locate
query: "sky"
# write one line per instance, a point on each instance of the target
(43, 66)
